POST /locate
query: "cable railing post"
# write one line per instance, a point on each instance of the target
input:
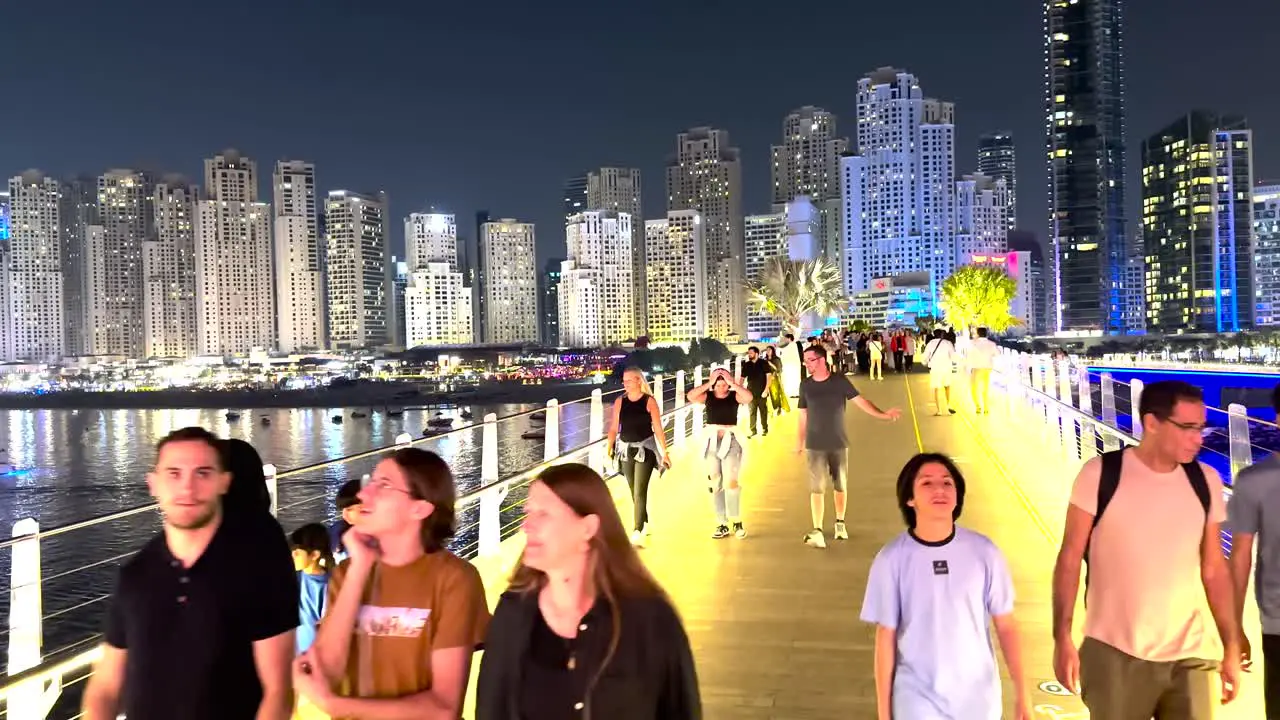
(1069, 435)
(273, 487)
(404, 439)
(737, 368)
(1109, 440)
(1048, 386)
(551, 433)
(697, 417)
(1135, 400)
(1238, 438)
(25, 624)
(596, 431)
(1088, 433)
(657, 393)
(681, 413)
(490, 534)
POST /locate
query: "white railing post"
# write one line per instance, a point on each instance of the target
(595, 431)
(1109, 440)
(273, 487)
(25, 621)
(657, 393)
(697, 417)
(1088, 433)
(551, 432)
(491, 501)
(1069, 436)
(1048, 383)
(1238, 438)
(680, 425)
(737, 367)
(1135, 402)
(404, 439)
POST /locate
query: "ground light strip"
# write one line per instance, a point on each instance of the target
(915, 421)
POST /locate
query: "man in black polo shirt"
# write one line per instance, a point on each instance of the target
(756, 374)
(202, 621)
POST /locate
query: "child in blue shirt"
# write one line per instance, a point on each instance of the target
(313, 560)
(932, 593)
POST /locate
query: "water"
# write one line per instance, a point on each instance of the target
(79, 464)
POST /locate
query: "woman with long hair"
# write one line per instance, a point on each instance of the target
(724, 448)
(403, 615)
(777, 397)
(583, 631)
(639, 443)
(875, 352)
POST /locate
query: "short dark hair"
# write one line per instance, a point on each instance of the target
(982, 332)
(430, 479)
(907, 485)
(195, 434)
(939, 333)
(1159, 398)
(817, 350)
(754, 349)
(348, 495)
(789, 336)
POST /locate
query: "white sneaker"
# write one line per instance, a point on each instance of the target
(841, 533)
(816, 539)
(637, 538)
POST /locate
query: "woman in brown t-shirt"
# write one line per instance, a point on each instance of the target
(584, 631)
(404, 615)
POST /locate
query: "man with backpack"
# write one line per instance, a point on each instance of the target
(1148, 521)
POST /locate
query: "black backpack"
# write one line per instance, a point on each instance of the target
(1109, 482)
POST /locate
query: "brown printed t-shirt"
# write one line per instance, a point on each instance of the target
(436, 602)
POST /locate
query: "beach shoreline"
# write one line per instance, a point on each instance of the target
(362, 395)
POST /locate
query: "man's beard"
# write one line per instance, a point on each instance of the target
(201, 521)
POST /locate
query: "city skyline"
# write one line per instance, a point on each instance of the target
(428, 162)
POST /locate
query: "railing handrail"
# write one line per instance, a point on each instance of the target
(294, 472)
(81, 652)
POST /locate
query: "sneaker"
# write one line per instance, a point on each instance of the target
(739, 531)
(722, 531)
(637, 538)
(841, 533)
(816, 539)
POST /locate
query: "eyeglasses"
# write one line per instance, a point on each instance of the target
(1187, 427)
(381, 486)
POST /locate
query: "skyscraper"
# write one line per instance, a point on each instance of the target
(511, 282)
(899, 189)
(1084, 105)
(766, 237)
(437, 307)
(575, 196)
(35, 272)
(113, 266)
(549, 302)
(996, 159)
(618, 190)
(431, 238)
(1266, 261)
(169, 272)
(676, 277)
(594, 296)
(1197, 225)
(706, 176)
(78, 209)
(982, 208)
(359, 278)
(235, 298)
(808, 163)
(300, 323)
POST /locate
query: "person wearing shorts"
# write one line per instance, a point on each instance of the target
(823, 442)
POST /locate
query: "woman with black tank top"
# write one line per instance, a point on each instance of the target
(724, 450)
(637, 440)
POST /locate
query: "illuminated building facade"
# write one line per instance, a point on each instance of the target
(982, 215)
(807, 162)
(1197, 225)
(676, 277)
(1084, 120)
(510, 282)
(300, 323)
(359, 270)
(431, 238)
(113, 265)
(996, 159)
(169, 269)
(437, 307)
(618, 189)
(766, 237)
(1266, 259)
(35, 279)
(594, 295)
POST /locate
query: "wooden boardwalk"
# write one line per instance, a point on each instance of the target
(774, 623)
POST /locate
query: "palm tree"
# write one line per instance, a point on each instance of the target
(790, 289)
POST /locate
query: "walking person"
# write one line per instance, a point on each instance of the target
(777, 396)
(791, 356)
(404, 615)
(940, 358)
(823, 441)
(898, 344)
(1253, 517)
(909, 350)
(637, 440)
(756, 372)
(201, 623)
(724, 448)
(875, 352)
(932, 594)
(980, 356)
(583, 631)
(1148, 520)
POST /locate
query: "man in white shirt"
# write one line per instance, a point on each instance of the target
(980, 357)
(940, 357)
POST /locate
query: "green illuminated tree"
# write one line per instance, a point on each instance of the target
(790, 289)
(979, 296)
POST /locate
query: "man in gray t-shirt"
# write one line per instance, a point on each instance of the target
(823, 397)
(1254, 510)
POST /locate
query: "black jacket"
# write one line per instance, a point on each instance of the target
(651, 675)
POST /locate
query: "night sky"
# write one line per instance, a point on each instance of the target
(491, 105)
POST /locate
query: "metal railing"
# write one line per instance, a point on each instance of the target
(491, 513)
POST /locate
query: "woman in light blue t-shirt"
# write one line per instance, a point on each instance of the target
(932, 593)
(313, 560)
